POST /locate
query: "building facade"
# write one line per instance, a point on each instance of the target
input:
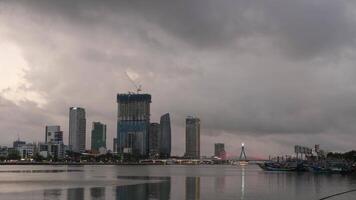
(18, 143)
(154, 140)
(27, 150)
(133, 123)
(4, 151)
(192, 136)
(54, 134)
(114, 145)
(165, 136)
(220, 151)
(98, 136)
(77, 129)
(51, 149)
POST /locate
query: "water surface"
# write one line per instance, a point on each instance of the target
(167, 182)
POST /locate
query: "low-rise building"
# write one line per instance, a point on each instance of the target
(27, 150)
(56, 150)
(4, 152)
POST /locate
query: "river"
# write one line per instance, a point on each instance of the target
(167, 182)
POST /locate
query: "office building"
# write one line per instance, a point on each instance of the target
(53, 145)
(4, 151)
(52, 149)
(153, 138)
(220, 151)
(98, 136)
(114, 145)
(77, 129)
(53, 134)
(192, 136)
(165, 137)
(27, 150)
(133, 123)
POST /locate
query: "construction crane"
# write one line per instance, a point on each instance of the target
(137, 86)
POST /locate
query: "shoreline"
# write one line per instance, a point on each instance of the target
(83, 164)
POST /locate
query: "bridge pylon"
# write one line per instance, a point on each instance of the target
(243, 158)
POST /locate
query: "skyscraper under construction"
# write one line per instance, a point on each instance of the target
(133, 123)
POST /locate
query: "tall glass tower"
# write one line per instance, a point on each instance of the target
(192, 137)
(77, 129)
(133, 122)
(165, 140)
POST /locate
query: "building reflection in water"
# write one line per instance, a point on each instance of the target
(54, 194)
(220, 184)
(97, 193)
(192, 188)
(160, 190)
(242, 183)
(75, 194)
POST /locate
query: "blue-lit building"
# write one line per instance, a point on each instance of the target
(133, 123)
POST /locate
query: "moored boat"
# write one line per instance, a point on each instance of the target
(278, 166)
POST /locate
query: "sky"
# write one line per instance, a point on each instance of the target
(269, 73)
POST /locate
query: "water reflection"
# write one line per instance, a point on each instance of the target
(192, 188)
(75, 194)
(220, 184)
(54, 194)
(157, 190)
(242, 183)
(97, 193)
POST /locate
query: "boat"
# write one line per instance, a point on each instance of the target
(274, 166)
(331, 168)
(243, 163)
(318, 169)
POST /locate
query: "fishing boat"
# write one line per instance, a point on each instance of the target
(318, 169)
(331, 168)
(272, 166)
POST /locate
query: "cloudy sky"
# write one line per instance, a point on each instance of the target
(270, 73)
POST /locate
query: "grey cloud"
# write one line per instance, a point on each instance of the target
(250, 69)
(303, 28)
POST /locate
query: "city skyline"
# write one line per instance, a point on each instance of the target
(256, 73)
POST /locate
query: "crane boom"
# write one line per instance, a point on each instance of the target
(137, 87)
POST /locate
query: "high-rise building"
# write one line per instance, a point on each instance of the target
(192, 137)
(133, 123)
(98, 136)
(165, 136)
(154, 140)
(114, 145)
(77, 129)
(220, 151)
(53, 145)
(53, 134)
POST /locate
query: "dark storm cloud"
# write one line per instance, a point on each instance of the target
(304, 28)
(259, 68)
